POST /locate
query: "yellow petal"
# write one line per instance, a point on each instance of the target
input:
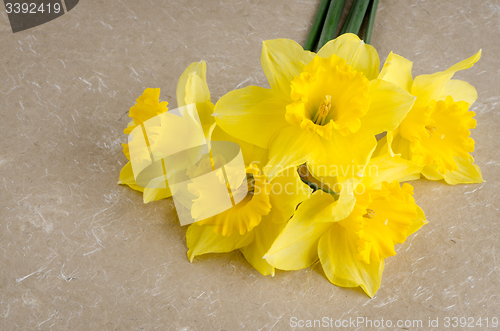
(344, 156)
(205, 113)
(397, 70)
(398, 144)
(291, 147)
(264, 235)
(382, 148)
(465, 64)
(202, 239)
(252, 154)
(417, 222)
(337, 252)
(467, 173)
(389, 106)
(327, 209)
(155, 194)
(287, 191)
(431, 172)
(432, 87)
(297, 245)
(149, 194)
(330, 157)
(126, 151)
(192, 86)
(357, 54)
(253, 114)
(148, 105)
(460, 91)
(389, 168)
(282, 60)
(242, 217)
(127, 177)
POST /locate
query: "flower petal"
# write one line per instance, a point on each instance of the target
(202, 239)
(147, 106)
(192, 85)
(344, 156)
(467, 173)
(192, 88)
(465, 64)
(382, 148)
(432, 87)
(417, 222)
(297, 245)
(253, 114)
(291, 147)
(397, 70)
(389, 168)
(460, 91)
(127, 177)
(282, 60)
(251, 154)
(337, 252)
(265, 234)
(389, 106)
(332, 157)
(287, 191)
(431, 172)
(398, 144)
(155, 194)
(327, 209)
(355, 52)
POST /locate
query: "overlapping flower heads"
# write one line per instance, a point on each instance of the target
(319, 185)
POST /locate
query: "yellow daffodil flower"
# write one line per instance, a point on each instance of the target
(252, 225)
(323, 109)
(147, 106)
(352, 248)
(435, 133)
(192, 88)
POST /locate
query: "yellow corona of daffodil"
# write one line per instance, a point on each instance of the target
(192, 88)
(352, 248)
(323, 109)
(436, 132)
(252, 225)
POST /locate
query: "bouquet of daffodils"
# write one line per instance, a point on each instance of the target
(318, 183)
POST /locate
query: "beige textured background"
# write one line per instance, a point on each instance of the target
(79, 252)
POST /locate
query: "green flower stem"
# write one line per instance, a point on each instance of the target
(371, 20)
(348, 18)
(331, 22)
(355, 16)
(313, 183)
(317, 24)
